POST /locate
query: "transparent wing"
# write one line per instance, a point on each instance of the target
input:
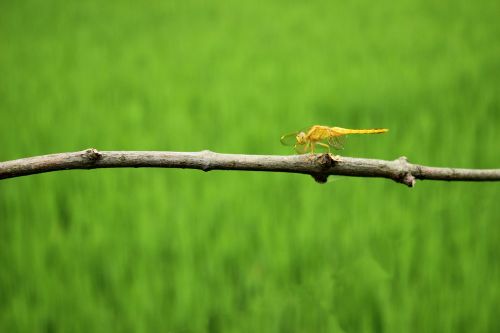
(289, 139)
(301, 149)
(336, 142)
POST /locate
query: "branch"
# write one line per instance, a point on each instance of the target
(320, 166)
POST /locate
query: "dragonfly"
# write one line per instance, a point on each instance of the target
(323, 136)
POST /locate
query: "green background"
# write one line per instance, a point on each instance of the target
(146, 250)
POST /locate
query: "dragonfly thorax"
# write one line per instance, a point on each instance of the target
(301, 138)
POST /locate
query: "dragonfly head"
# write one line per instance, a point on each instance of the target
(301, 138)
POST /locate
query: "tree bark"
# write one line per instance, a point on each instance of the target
(320, 166)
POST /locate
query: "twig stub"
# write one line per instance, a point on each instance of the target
(406, 177)
(92, 154)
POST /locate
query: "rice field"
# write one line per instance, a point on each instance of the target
(165, 250)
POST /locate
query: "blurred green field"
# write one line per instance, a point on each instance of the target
(150, 250)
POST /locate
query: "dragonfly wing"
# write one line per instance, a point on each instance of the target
(289, 139)
(301, 149)
(337, 142)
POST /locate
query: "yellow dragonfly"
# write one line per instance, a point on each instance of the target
(323, 136)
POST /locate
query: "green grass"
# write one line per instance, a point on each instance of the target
(185, 251)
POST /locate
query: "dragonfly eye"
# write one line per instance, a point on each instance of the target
(301, 138)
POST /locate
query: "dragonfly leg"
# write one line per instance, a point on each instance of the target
(310, 145)
(306, 148)
(326, 146)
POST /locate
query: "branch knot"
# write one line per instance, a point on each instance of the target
(405, 175)
(325, 161)
(206, 165)
(92, 154)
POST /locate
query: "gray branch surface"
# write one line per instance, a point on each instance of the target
(320, 166)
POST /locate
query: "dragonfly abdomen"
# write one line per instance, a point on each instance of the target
(344, 131)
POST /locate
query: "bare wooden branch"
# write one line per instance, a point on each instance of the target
(319, 166)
